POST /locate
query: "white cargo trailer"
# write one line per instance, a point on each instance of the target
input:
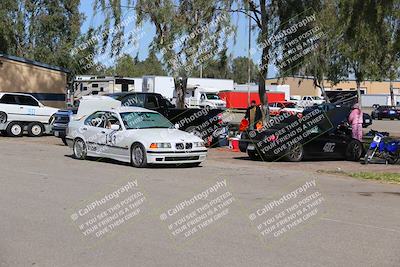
(163, 85)
(216, 84)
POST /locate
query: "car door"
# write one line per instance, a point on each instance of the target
(29, 108)
(114, 142)
(326, 146)
(9, 104)
(94, 132)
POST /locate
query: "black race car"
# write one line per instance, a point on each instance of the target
(325, 140)
(386, 112)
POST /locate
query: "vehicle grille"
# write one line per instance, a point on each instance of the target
(181, 158)
(181, 146)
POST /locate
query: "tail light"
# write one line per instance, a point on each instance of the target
(220, 121)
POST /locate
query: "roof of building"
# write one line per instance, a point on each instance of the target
(35, 63)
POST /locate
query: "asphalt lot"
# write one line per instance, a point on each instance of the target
(41, 186)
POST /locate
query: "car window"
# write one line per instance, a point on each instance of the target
(8, 99)
(144, 120)
(151, 102)
(133, 100)
(290, 105)
(27, 101)
(97, 119)
(112, 119)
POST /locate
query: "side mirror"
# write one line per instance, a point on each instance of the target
(115, 127)
(176, 126)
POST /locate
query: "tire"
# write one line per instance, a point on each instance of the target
(15, 129)
(354, 151)
(35, 129)
(138, 156)
(253, 155)
(79, 149)
(3, 117)
(394, 159)
(295, 153)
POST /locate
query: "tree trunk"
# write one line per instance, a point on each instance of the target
(264, 62)
(358, 92)
(180, 89)
(321, 86)
(392, 100)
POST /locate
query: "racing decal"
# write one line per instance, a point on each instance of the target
(329, 147)
(111, 139)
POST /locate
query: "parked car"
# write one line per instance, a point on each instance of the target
(320, 143)
(135, 135)
(308, 100)
(60, 124)
(276, 108)
(23, 112)
(386, 112)
(340, 114)
(202, 122)
(86, 105)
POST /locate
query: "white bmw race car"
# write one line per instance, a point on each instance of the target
(135, 135)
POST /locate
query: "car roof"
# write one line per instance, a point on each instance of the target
(129, 109)
(3, 93)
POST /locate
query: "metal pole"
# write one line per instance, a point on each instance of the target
(249, 59)
(201, 71)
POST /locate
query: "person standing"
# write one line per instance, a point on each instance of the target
(356, 121)
(253, 114)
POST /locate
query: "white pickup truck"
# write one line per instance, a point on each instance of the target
(307, 101)
(23, 112)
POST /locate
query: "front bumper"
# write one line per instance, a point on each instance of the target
(176, 157)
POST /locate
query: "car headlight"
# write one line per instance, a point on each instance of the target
(160, 145)
(199, 144)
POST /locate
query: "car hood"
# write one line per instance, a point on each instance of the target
(164, 135)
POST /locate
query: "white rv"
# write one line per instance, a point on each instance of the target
(199, 97)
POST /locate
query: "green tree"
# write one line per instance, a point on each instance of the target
(389, 52)
(360, 42)
(40, 30)
(240, 70)
(188, 32)
(128, 66)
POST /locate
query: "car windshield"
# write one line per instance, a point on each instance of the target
(212, 96)
(144, 120)
(290, 105)
(316, 98)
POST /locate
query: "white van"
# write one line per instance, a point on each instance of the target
(199, 97)
(23, 112)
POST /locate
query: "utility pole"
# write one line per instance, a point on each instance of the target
(249, 59)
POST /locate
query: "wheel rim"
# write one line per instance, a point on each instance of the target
(36, 130)
(16, 129)
(79, 148)
(296, 153)
(137, 156)
(356, 151)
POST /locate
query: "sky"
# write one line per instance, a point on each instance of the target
(238, 48)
